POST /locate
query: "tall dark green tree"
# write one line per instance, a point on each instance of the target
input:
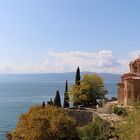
(66, 86)
(77, 77)
(43, 104)
(66, 96)
(57, 99)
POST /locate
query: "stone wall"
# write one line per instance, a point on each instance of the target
(137, 90)
(82, 117)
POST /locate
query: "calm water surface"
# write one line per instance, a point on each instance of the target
(18, 93)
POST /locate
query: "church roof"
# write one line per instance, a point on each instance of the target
(135, 61)
(128, 75)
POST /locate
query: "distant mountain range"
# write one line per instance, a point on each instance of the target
(70, 76)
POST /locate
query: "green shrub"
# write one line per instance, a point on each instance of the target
(137, 105)
(130, 125)
(48, 123)
(119, 111)
(98, 130)
(8, 136)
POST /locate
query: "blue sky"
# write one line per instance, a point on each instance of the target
(47, 35)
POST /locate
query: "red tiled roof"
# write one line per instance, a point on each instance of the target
(128, 75)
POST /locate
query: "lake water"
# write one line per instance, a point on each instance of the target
(19, 92)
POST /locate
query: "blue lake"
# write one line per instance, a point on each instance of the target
(19, 92)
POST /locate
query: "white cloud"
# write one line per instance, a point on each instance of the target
(125, 62)
(100, 61)
(5, 69)
(134, 54)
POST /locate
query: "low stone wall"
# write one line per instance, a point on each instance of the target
(82, 117)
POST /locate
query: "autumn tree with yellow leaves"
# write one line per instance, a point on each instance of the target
(48, 123)
(90, 89)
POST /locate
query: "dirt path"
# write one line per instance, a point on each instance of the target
(107, 108)
(106, 112)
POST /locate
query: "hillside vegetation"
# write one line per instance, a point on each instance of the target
(48, 123)
(130, 126)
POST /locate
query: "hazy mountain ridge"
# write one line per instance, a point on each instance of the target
(70, 76)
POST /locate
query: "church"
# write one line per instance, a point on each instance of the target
(129, 87)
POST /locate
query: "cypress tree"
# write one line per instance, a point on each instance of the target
(43, 104)
(77, 77)
(57, 100)
(66, 96)
(66, 86)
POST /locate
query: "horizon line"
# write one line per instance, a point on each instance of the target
(57, 73)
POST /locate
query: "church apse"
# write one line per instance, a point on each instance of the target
(129, 87)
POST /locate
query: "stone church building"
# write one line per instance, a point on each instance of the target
(129, 87)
